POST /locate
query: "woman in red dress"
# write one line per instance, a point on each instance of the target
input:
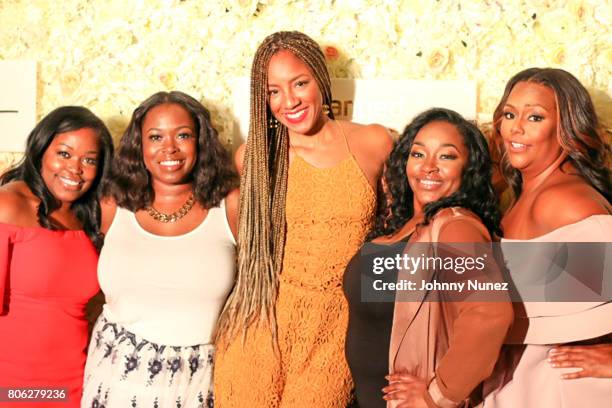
(49, 241)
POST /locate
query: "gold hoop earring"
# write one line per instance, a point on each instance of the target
(273, 123)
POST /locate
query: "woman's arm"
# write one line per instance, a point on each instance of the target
(476, 336)
(10, 204)
(108, 208)
(239, 158)
(232, 202)
(478, 330)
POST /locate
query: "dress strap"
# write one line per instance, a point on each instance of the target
(348, 149)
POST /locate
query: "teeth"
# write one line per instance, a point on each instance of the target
(430, 182)
(295, 115)
(517, 145)
(69, 182)
(170, 163)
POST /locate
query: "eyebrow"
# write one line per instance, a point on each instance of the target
(442, 145)
(450, 145)
(87, 152)
(176, 128)
(530, 105)
(292, 79)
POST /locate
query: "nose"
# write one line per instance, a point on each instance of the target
(430, 165)
(169, 145)
(75, 166)
(291, 101)
(517, 126)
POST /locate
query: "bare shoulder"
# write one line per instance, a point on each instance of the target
(372, 138)
(232, 199)
(108, 208)
(239, 157)
(17, 204)
(232, 202)
(568, 202)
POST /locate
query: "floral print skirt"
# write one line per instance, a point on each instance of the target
(125, 370)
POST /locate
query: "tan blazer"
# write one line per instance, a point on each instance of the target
(452, 345)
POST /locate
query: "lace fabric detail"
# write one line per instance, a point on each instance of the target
(329, 212)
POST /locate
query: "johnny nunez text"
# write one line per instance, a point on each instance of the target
(408, 285)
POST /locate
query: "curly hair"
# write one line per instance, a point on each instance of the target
(263, 188)
(579, 133)
(213, 175)
(476, 192)
(86, 208)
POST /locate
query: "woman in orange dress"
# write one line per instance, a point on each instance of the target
(308, 197)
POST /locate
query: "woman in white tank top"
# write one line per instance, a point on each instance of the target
(167, 264)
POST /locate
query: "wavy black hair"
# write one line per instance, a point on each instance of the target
(579, 133)
(475, 193)
(213, 175)
(87, 207)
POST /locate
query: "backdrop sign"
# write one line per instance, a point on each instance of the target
(17, 103)
(392, 103)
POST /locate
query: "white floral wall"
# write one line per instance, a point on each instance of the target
(110, 55)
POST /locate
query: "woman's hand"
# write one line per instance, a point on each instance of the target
(407, 388)
(595, 361)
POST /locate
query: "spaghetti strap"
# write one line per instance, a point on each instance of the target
(348, 149)
(328, 212)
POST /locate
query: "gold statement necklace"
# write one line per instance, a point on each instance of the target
(175, 216)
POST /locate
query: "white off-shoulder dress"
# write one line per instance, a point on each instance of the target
(523, 377)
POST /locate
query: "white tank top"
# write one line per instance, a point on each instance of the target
(169, 290)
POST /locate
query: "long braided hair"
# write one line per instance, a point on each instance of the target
(263, 189)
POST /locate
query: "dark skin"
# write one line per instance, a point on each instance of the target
(68, 168)
(169, 152)
(530, 117)
(293, 93)
(19, 206)
(438, 154)
(410, 389)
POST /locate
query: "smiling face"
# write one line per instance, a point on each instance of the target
(70, 164)
(293, 94)
(169, 144)
(435, 163)
(529, 127)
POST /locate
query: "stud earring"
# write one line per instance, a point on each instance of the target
(325, 109)
(273, 123)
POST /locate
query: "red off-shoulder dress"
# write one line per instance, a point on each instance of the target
(46, 279)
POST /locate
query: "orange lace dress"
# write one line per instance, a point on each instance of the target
(329, 211)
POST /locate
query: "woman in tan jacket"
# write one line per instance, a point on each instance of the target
(440, 348)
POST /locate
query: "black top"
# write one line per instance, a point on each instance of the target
(369, 328)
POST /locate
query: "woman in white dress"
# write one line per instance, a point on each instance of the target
(555, 160)
(167, 264)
